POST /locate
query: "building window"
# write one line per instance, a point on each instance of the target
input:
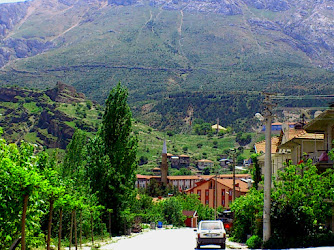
(223, 197)
(230, 194)
(199, 194)
(206, 196)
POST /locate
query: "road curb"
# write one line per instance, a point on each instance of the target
(235, 245)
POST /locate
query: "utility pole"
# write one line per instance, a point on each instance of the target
(233, 169)
(267, 168)
(216, 194)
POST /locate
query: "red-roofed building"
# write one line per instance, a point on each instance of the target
(183, 182)
(206, 191)
(191, 220)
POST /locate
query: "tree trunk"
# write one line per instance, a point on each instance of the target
(71, 230)
(23, 222)
(60, 227)
(101, 228)
(49, 225)
(109, 224)
(80, 229)
(91, 222)
(75, 230)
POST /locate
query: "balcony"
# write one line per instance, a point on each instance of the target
(321, 160)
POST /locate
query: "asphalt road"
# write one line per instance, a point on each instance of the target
(162, 239)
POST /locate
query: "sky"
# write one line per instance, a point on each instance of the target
(11, 1)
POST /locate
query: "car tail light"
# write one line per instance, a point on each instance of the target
(198, 235)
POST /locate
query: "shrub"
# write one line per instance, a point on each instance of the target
(254, 242)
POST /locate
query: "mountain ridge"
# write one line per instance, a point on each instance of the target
(159, 48)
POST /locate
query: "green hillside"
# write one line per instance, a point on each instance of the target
(33, 116)
(166, 57)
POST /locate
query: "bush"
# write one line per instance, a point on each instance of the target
(254, 242)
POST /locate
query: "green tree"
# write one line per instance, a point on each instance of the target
(20, 181)
(172, 211)
(75, 160)
(112, 157)
(248, 211)
(256, 171)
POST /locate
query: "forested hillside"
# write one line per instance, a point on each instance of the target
(157, 48)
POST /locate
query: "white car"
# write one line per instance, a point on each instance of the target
(211, 232)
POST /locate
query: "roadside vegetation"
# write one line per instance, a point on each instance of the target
(301, 207)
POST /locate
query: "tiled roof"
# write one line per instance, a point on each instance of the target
(195, 177)
(189, 213)
(216, 126)
(243, 186)
(227, 176)
(184, 177)
(311, 136)
(261, 146)
(320, 123)
(229, 183)
(299, 134)
(140, 176)
(205, 160)
(184, 156)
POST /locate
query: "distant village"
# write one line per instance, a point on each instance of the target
(293, 143)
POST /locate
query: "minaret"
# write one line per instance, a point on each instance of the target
(164, 164)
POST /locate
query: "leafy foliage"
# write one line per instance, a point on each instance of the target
(248, 212)
(299, 209)
(112, 157)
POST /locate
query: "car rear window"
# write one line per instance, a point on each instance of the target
(211, 225)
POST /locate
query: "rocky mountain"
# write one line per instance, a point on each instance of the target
(45, 118)
(308, 25)
(160, 48)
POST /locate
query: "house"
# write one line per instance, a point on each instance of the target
(303, 145)
(143, 180)
(260, 148)
(221, 188)
(191, 220)
(184, 160)
(218, 128)
(323, 124)
(204, 163)
(184, 182)
(293, 145)
(277, 126)
(156, 171)
(174, 161)
(179, 161)
(225, 163)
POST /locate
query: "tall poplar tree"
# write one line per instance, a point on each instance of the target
(112, 157)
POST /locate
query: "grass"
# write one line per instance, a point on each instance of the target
(151, 142)
(32, 107)
(31, 137)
